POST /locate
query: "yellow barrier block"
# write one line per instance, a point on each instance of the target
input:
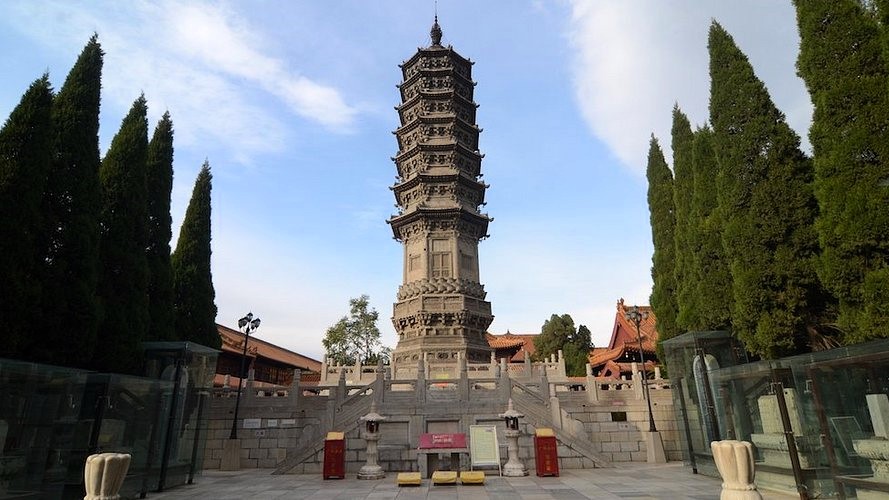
(472, 477)
(544, 432)
(408, 479)
(444, 477)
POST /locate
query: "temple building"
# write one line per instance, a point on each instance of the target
(273, 366)
(617, 359)
(441, 313)
(512, 347)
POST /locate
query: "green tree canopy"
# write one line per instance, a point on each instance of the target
(768, 208)
(356, 337)
(663, 222)
(843, 61)
(712, 281)
(683, 191)
(72, 202)
(25, 156)
(159, 177)
(559, 334)
(123, 281)
(193, 293)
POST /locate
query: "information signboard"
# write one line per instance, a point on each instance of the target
(484, 450)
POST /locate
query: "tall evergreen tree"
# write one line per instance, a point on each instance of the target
(768, 208)
(663, 222)
(683, 190)
(844, 64)
(192, 280)
(710, 273)
(70, 251)
(25, 156)
(159, 172)
(123, 279)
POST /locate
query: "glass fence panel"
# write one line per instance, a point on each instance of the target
(690, 358)
(39, 427)
(848, 394)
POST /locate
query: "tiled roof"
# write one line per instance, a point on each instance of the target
(509, 341)
(624, 338)
(233, 342)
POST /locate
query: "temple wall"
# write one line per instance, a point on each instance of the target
(294, 421)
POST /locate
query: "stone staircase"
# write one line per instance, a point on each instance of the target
(569, 432)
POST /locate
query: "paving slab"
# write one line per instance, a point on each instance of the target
(670, 481)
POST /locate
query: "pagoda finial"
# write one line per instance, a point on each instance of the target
(436, 32)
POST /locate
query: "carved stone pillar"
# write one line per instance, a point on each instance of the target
(734, 460)
(103, 475)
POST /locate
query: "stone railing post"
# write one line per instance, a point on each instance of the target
(592, 388)
(342, 391)
(103, 475)
(528, 371)
(421, 382)
(734, 460)
(250, 390)
(504, 383)
(544, 390)
(463, 384)
(638, 380)
(379, 383)
(324, 362)
(555, 407)
(295, 391)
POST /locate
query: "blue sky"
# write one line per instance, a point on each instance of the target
(292, 104)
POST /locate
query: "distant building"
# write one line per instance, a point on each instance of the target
(617, 359)
(273, 365)
(511, 346)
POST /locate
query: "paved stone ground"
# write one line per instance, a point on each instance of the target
(634, 481)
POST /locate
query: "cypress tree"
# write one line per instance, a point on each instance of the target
(844, 64)
(159, 171)
(710, 274)
(767, 206)
(683, 190)
(660, 205)
(70, 251)
(192, 280)
(123, 282)
(25, 156)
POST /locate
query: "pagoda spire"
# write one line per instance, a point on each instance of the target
(435, 33)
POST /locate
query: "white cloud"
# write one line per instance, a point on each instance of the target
(198, 61)
(634, 60)
(217, 39)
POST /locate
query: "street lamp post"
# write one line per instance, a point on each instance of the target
(247, 324)
(637, 317)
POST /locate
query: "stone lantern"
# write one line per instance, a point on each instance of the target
(372, 469)
(514, 467)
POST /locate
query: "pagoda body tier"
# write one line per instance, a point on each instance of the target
(441, 313)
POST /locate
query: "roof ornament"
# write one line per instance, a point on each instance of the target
(435, 33)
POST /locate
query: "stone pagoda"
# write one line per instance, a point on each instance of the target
(441, 314)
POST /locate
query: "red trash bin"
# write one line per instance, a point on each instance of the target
(546, 452)
(335, 455)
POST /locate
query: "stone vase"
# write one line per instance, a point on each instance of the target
(734, 460)
(103, 475)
